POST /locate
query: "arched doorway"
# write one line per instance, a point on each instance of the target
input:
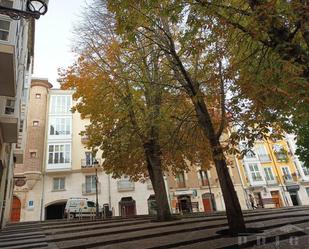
(55, 210)
(15, 211)
(184, 204)
(127, 207)
(152, 205)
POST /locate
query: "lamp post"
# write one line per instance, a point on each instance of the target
(95, 165)
(34, 9)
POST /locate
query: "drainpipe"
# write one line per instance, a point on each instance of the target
(42, 196)
(280, 181)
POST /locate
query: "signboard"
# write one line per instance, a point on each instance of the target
(184, 192)
(31, 204)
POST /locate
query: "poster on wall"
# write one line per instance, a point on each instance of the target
(30, 205)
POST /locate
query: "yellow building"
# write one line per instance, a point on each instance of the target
(272, 177)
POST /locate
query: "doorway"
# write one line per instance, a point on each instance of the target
(294, 198)
(275, 195)
(258, 199)
(55, 210)
(184, 204)
(127, 207)
(15, 212)
(208, 202)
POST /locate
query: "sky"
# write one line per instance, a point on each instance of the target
(53, 38)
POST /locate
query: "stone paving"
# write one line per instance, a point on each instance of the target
(282, 228)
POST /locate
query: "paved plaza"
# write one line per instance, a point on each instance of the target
(282, 228)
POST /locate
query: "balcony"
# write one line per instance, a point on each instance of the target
(90, 190)
(274, 181)
(125, 185)
(88, 163)
(7, 57)
(290, 179)
(9, 117)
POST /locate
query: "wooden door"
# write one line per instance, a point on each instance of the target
(207, 205)
(276, 196)
(15, 212)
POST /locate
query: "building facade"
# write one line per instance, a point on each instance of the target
(57, 166)
(16, 61)
(273, 175)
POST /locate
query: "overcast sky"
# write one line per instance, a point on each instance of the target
(53, 37)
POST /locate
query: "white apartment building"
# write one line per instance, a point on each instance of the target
(16, 61)
(64, 168)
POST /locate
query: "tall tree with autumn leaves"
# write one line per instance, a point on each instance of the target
(197, 59)
(140, 117)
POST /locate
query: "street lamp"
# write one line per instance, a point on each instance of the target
(95, 165)
(34, 9)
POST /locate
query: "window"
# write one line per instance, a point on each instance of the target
(90, 184)
(21, 125)
(255, 172)
(180, 179)
(90, 204)
(37, 95)
(305, 169)
(33, 154)
(59, 153)
(203, 178)
(59, 183)
(286, 173)
(307, 190)
(10, 106)
(269, 174)
(60, 126)
(35, 123)
(4, 30)
(88, 158)
(262, 153)
(60, 104)
(249, 152)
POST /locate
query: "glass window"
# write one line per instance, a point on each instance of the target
(33, 154)
(262, 153)
(60, 126)
(286, 173)
(35, 123)
(203, 177)
(269, 174)
(255, 172)
(4, 30)
(90, 183)
(59, 153)
(61, 104)
(37, 95)
(88, 157)
(59, 183)
(305, 169)
(180, 179)
(307, 189)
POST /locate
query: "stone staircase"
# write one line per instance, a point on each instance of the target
(192, 231)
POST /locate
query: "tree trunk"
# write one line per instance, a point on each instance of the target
(233, 210)
(152, 152)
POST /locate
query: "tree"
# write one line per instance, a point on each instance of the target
(196, 59)
(142, 125)
(268, 43)
(303, 144)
